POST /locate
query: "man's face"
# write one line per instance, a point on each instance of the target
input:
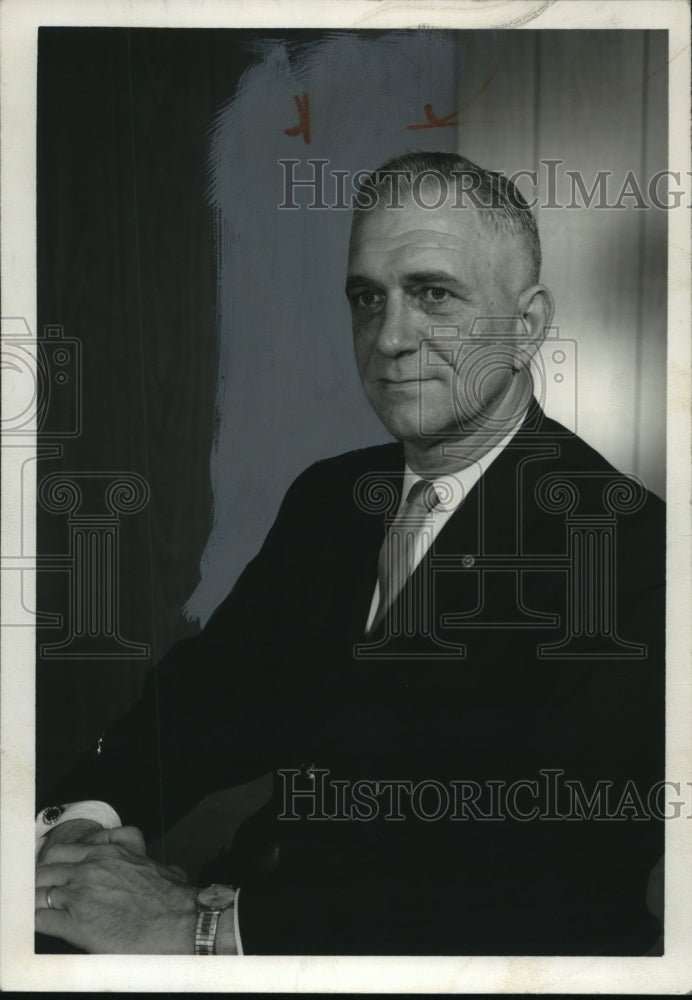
(411, 270)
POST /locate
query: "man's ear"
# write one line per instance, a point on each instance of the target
(536, 307)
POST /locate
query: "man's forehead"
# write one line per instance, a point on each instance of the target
(409, 234)
(449, 217)
(386, 228)
(453, 240)
(425, 239)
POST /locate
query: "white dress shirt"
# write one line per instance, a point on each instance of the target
(451, 490)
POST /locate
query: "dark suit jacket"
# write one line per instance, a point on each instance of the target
(550, 668)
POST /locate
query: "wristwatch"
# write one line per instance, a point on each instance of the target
(210, 902)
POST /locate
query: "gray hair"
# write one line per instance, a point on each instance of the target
(501, 207)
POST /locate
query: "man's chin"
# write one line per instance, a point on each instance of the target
(417, 413)
(410, 430)
(405, 427)
(423, 434)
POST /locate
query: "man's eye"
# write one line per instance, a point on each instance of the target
(366, 300)
(435, 295)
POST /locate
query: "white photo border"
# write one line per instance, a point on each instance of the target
(20, 968)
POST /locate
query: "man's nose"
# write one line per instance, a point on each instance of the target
(399, 331)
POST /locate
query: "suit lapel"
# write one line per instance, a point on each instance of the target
(499, 513)
(375, 498)
(495, 518)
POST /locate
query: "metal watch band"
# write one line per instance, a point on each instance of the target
(205, 934)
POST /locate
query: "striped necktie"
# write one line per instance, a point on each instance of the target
(397, 554)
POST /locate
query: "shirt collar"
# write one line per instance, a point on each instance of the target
(452, 488)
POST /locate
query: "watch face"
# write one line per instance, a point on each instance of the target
(216, 897)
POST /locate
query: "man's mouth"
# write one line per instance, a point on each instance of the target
(389, 384)
(388, 380)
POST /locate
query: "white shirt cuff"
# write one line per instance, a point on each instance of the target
(236, 925)
(52, 816)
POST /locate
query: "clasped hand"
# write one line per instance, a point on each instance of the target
(108, 897)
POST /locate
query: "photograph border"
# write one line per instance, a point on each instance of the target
(20, 968)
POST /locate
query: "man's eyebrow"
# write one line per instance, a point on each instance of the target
(414, 278)
(360, 281)
(425, 277)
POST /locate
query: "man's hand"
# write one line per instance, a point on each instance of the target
(109, 898)
(72, 831)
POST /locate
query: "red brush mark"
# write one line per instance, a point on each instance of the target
(435, 122)
(452, 119)
(303, 126)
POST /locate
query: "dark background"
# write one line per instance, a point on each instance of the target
(126, 266)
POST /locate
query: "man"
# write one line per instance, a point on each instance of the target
(449, 651)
